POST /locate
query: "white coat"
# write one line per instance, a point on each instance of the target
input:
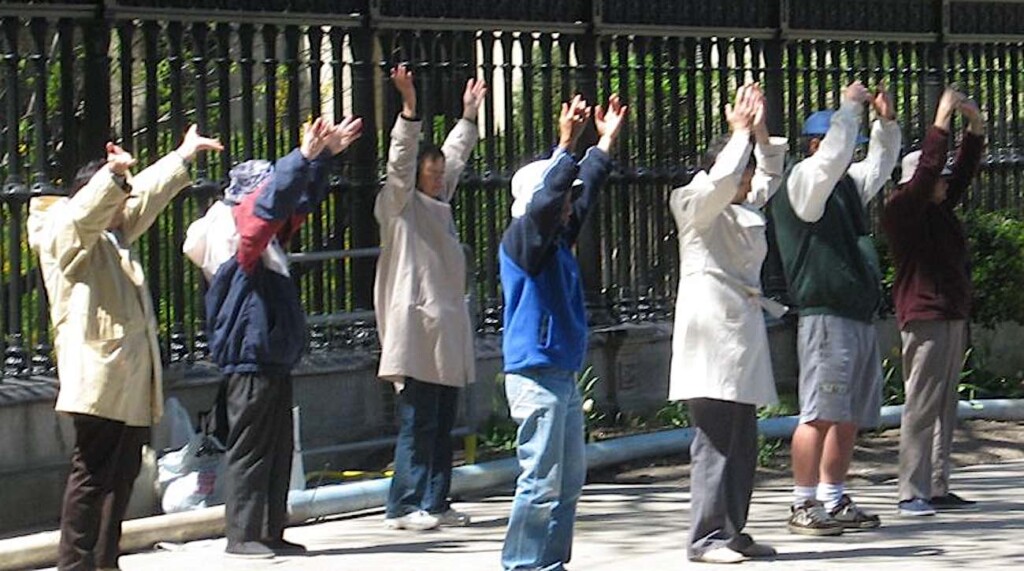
(720, 344)
(420, 288)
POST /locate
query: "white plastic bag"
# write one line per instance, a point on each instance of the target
(192, 477)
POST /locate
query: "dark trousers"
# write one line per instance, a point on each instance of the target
(423, 452)
(104, 464)
(259, 456)
(723, 458)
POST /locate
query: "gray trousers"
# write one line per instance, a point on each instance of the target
(723, 458)
(933, 353)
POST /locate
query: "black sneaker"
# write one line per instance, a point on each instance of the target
(810, 518)
(285, 547)
(951, 501)
(249, 550)
(850, 516)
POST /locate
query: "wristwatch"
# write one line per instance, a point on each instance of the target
(122, 182)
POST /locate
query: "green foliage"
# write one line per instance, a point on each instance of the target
(673, 414)
(997, 243)
(767, 449)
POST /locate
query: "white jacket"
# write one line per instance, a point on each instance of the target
(420, 290)
(720, 344)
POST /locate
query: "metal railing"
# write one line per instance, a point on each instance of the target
(75, 74)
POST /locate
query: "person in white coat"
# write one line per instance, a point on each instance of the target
(419, 297)
(720, 359)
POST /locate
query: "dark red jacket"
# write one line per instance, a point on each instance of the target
(927, 240)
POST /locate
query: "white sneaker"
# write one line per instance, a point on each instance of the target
(454, 518)
(415, 521)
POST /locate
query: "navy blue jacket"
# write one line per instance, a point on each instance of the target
(545, 316)
(255, 321)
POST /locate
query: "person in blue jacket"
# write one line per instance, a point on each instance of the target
(257, 332)
(545, 338)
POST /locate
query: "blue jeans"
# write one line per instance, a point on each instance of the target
(423, 452)
(546, 405)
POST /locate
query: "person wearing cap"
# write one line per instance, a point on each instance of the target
(419, 294)
(545, 336)
(105, 334)
(831, 267)
(257, 327)
(932, 295)
(721, 363)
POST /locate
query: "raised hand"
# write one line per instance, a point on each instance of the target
(344, 134)
(949, 102)
(759, 124)
(118, 159)
(315, 136)
(473, 98)
(882, 103)
(969, 109)
(571, 121)
(857, 93)
(608, 121)
(195, 143)
(740, 115)
(401, 78)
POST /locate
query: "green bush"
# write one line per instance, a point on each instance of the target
(997, 266)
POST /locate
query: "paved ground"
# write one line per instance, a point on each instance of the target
(643, 527)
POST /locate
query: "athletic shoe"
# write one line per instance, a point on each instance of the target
(810, 518)
(414, 521)
(951, 501)
(850, 516)
(248, 550)
(916, 507)
(453, 518)
(719, 555)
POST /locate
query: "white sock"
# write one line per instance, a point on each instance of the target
(802, 494)
(830, 494)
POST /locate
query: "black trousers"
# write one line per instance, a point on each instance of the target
(723, 459)
(104, 464)
(259, 456)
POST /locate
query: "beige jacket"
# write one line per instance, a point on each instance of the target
(420, 290)
(720, 344)
(105, 331)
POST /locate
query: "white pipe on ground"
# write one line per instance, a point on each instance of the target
(41, 548)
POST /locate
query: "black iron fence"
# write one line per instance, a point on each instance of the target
(78, 73)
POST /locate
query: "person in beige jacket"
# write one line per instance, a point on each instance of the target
(105, 334)
(419, 297)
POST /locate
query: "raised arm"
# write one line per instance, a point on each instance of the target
(535, 228)
(968, 157)
(463, 137)
(157, 185)
(870, 174)
(400, 181)
(812, 180)
(708, 194)
(68, 231)
(769, 155)
(596, 164)
(297, 185)
(909, 200)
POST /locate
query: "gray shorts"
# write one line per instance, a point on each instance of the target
(840, 370)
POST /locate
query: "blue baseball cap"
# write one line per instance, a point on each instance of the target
(817, 125)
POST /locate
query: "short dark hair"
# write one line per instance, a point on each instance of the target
(84, 175)
(715, 148)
